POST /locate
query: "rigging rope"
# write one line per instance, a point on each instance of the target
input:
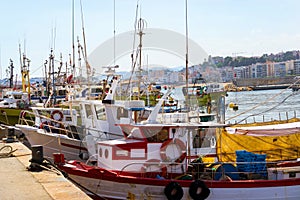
(256, 106)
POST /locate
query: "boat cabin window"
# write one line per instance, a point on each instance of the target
(203, 138)
(96, 90)
(100, 112)
(68, 115)
(17, 96)
(121, 112)
(88, 110)
(78, 115)
(156, 134)
(62, 92)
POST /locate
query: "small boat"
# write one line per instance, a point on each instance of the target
(56, 129)
(295, 88)
(11, 106)
(205, 93)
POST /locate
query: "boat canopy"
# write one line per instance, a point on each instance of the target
(278, 142)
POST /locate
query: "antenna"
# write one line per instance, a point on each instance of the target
(114, 32)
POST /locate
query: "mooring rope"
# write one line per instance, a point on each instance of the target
(6, 151)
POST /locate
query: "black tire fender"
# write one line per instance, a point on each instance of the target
(173, 191)
(198, 190)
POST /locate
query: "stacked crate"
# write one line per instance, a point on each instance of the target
(251, 163)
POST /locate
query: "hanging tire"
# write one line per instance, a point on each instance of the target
(198, 190)
(173, 191)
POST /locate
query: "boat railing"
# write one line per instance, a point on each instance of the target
(6, 118)
(173, 117)
(265, 119)
(51, 125)
(26, 117)
(222, 171)
(252, 170)
(60, 127)
(161, 165)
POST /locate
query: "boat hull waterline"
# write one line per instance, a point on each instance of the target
(113, 185)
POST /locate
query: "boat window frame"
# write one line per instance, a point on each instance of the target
(100, 112)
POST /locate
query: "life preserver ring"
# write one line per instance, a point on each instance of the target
(152, 162)
(198, 190)
(173, 191)
(57, 113)
(180, 145)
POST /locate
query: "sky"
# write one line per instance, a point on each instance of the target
(219, 27)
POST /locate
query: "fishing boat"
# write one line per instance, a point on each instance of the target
(157, 159)
(153, 161)
(165, 159)
(13, 100)
(80, 124)
(204, 93)
(56, 129)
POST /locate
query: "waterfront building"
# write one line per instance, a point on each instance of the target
(280, 69)
(297, 67)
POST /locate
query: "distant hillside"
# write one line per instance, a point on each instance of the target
(246, 61)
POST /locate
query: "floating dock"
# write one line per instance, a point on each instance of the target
(17, 182)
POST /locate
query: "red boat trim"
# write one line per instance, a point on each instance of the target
(98, 173)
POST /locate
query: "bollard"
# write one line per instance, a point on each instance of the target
(37, 154)
(10, 135)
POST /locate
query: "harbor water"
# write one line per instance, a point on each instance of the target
(262, 105)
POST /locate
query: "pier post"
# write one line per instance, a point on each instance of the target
(11, 137)
(37, 154)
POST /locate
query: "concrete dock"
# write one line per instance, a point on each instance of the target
(17, 182)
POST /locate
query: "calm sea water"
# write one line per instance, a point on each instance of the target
(262, 105)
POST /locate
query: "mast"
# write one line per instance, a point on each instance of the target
(51, 66)
(140, 26)
(45, 82)
(11, 72)
(187, 81)
(25, 75)
(73, 40)
(88, 67)
(186, 57)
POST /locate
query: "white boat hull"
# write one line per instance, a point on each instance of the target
(120, 185)
(54, 143)
(118, 190)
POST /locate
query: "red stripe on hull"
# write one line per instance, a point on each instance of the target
(102, 174)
